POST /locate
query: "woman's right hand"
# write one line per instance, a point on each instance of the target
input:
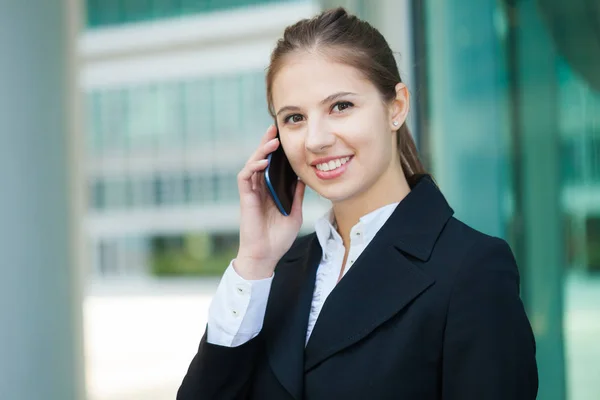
(265, 234)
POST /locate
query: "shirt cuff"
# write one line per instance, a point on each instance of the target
(237, 309)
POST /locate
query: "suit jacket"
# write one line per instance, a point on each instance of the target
(430, 310)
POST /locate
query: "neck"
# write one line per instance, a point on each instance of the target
(392, 187)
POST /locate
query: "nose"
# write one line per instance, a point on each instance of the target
(319, 137)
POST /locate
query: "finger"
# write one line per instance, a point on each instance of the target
(250, 168)
(258, 180)
(254, 181)
(270, 134)
(245, 175)
(264, 150)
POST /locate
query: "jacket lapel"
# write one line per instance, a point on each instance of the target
(287, 318)
(383, 280)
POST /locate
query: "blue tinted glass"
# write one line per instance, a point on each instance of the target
(114, 12)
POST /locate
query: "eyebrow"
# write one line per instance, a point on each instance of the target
(326, 100)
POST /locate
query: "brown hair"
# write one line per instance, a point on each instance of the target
(347, 39)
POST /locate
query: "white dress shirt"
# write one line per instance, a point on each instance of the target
(238, 308)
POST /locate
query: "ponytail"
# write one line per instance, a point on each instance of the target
(409, 157)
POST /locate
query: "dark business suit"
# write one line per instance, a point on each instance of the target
(430, 310)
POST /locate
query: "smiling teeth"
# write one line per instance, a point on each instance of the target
(333, 164)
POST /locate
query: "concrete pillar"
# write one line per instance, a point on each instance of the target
(41, 352)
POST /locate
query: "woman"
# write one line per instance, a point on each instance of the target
(391, 297)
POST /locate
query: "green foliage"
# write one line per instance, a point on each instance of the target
(192, 255)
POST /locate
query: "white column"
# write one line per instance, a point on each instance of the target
(41, 352)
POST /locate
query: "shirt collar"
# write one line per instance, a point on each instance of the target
(324, 228)
(367, 226)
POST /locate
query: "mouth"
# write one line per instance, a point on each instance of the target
(332, 168)
(332, 164)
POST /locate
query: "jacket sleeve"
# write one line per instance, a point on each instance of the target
(489, 347)
(220, 372)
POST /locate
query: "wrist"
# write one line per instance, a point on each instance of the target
(251, 269)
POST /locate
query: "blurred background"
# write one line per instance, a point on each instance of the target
(123, 124)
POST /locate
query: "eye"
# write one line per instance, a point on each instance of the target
(341, 106)
(294, 119)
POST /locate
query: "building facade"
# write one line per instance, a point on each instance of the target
(175, 104)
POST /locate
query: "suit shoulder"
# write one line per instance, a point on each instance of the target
(471, 249)
(470, 237)
(480, 250)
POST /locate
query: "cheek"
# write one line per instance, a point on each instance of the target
(364, 130)
(294, 151)
(361, 138)
(373, 147)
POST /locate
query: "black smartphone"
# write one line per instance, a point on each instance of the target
(281, 180)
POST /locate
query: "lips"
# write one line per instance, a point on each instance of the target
(334, 173)
(332, 164)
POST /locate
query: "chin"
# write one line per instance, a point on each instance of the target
(337, 194)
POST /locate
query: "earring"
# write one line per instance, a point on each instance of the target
(396, 123)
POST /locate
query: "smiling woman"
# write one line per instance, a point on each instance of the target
(391, 296)
(315, 52)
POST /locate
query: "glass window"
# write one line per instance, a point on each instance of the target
(137, 10)
(198, 111)
(226, 108)
(104, 12)
(253, 112)
(114, 120)
(157, 188)
(513, 122)
(142, 120)
(199, 188)
(166, 8)
(169, 189)
(155, 124)
(168, 115)
(106, 136)
(177, 189)
(97, 195)
(95, 128)
(580, 136)
(107, 257)
(226, 186)
(116, 193)
(260, 99)
(112, 12)
(142, 191)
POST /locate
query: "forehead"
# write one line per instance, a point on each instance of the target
(308, 77)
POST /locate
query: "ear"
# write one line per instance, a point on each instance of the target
(399, 107)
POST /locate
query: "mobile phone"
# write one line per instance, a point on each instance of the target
(281, 180)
